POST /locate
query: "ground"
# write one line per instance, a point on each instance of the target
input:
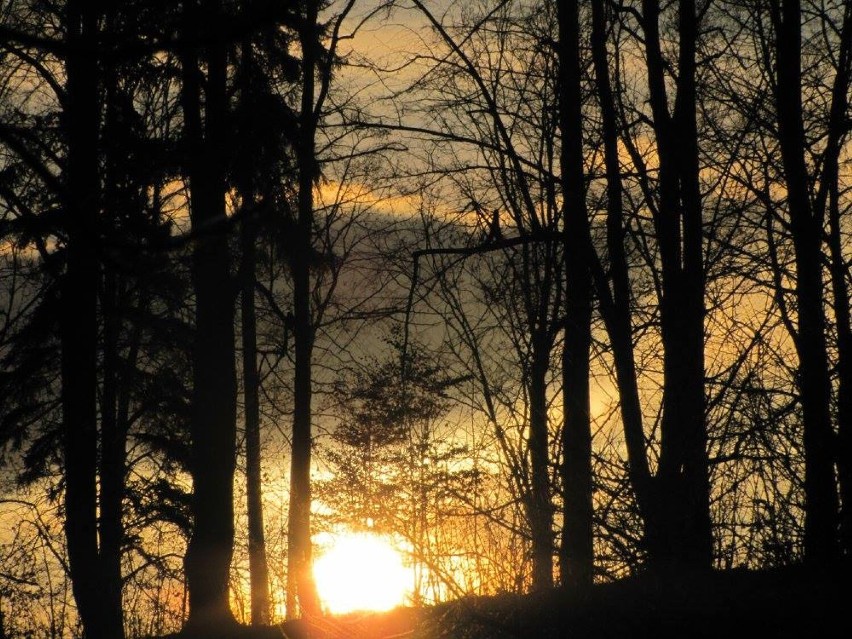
(723, 605)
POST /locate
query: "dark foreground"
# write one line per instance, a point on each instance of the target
(789, 603)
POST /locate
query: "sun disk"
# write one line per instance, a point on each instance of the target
(361, 571)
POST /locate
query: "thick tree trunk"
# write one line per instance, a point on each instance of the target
(540, 510)
(697, 545)
(681, 535)
(300, 583)
(577, 555)
(821, 503)
(213, 421)
(79, 319)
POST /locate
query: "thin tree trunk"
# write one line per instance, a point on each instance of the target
(111, 466)
(258, 569)
(577, 553)
(616, 306)
(829, 189)
(844, 372)
(821, 503)
(540, 513)
(79, 319)
(213, 421)
(300, 583)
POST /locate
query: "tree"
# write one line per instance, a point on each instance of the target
(396, 469)
(504, 152)
(616, 305)
(78, 327)
(317, 65)
(806, 228)
(299, 580)
(830, 183)
(384, 409)
(262, 173)
(577, 556)
(251, 393)
(675, 502)
(213, 423)
(800, 119)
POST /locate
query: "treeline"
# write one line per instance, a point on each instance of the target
(613, 240)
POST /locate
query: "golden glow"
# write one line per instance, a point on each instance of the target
(361, 571)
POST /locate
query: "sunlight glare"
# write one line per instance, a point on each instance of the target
(360, 572)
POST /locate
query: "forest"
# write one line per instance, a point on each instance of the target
(317, 307)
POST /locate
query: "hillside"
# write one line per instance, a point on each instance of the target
(782, 603)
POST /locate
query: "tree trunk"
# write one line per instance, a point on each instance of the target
(577, 553)
(681, 534)
(111, 466)
(830, 190)
(697, 545)
(213, 420)
(251, 387)
(79, 319)
(300, 583)
(615, 306)
(258, 569)
(540, 511)
(113, 423)
(844, 373)
(821, 502)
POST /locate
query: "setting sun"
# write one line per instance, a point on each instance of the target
(361, 571)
